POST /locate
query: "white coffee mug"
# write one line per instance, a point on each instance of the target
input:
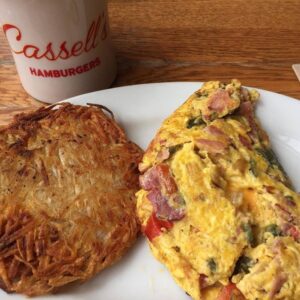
(61, 48)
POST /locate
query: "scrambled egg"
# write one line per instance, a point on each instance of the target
(215, 204)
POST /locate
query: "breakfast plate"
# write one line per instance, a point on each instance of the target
(140, 109)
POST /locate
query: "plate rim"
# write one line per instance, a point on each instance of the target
(140, 85)
(84, 97)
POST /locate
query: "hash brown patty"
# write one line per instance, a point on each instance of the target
(68, 176)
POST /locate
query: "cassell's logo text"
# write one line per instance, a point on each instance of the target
(97, 30)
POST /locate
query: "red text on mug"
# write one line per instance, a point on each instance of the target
(96, 31)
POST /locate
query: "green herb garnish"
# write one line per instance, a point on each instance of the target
(213, 116)
(174, 149)
(273, 229)
(269, 156)
(201, 94)
(243, 265)
(253, 167)
(194, 122)
(249, 233)
(212, 265)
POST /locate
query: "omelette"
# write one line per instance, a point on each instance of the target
(68, 178)
(216, 205)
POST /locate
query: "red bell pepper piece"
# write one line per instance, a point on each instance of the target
(230, 292)
(154, 227)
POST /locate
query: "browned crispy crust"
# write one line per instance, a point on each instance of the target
(68, 176)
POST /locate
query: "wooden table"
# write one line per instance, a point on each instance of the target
(197, 40)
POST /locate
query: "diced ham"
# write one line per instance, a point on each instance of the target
(245, 94)
(166, 179)
(279, 281)
(221, 102)
(245, 141)
(158, 177)
(294, 232)
(246, 110)
(149, 180)
(160, 184)
(284, 212)
(163, 209)
(211, 146)
(277, 246)
(215, 131)
(291, 230)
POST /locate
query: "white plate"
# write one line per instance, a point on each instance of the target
(140, 109)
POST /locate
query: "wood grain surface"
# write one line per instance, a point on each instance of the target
(196, 40)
